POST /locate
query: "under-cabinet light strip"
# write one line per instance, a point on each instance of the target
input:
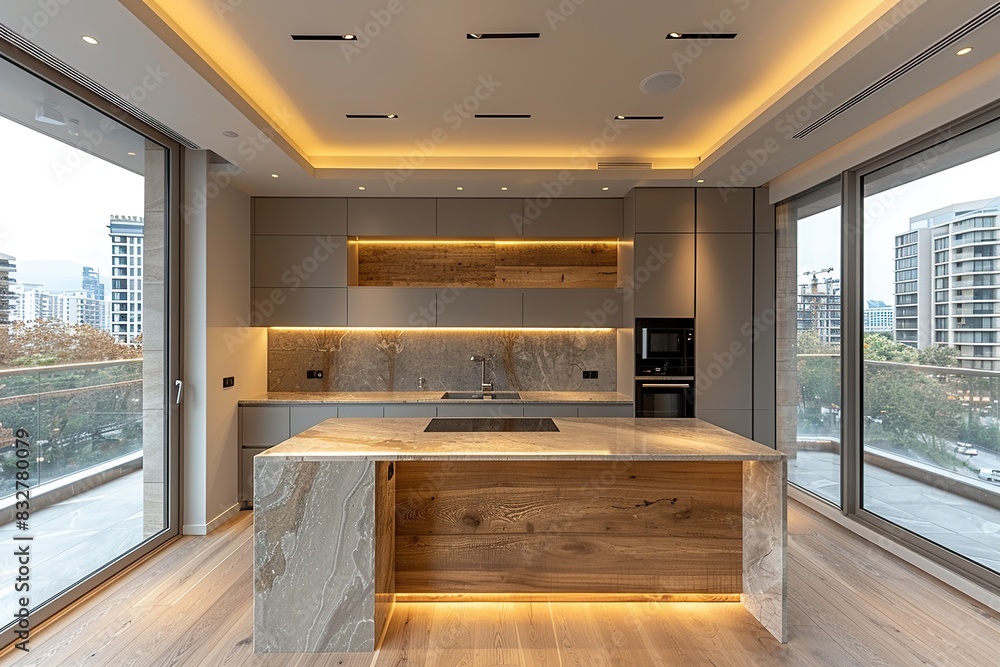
(484, 241)
(448, 329)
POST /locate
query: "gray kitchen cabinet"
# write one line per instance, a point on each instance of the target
(478, 218)
(391, 306)
(737, 421)
(763, 323)
(664, 210)
(555, 307)
(306, 261)
(356, 411)
(403, 217)
(410, 410)
(304, 417)
(478, 307)
(550, 410)
(308, 216)
(724, 329)
(483, 409)
(303, 307)
(264, 425)
(724, 210)
(664, 275)
(579, 218)
(764, 427)
(624, 410)
(245, 494)
(763, 216)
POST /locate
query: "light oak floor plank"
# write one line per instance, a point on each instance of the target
(851, 604)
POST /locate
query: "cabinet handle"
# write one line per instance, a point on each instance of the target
(180, 390)
(659, 385)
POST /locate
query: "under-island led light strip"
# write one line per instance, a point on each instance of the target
(431, 330)
(484, 241)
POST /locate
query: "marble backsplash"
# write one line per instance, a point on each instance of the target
(394, 360)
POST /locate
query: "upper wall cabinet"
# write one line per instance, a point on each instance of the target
(300, 215)
(664, 210)
(580, 218)
(403, 217)
(391, 307)
(724, 210)
(301, 307)
(478, 307)
(300, 261)
(664, 275)
(577, 308)
(478, 218)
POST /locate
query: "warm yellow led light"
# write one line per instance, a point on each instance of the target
(701, 180)
(484, 241)
(446, 329)
(361, 187)
(455, 598)
(274, 175)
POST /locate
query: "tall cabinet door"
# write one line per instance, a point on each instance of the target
(724, 331)
(664, 275)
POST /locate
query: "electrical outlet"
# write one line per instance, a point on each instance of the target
(228, 382)
(590, 375)
(314, 375)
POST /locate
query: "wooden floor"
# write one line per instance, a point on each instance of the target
(851, 604)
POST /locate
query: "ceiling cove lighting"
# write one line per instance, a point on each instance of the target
(348, 37)
(964, 52)
(93, 41)
(503, 115)
(701, 35)
(502, 35)
(621, 117)
(371, 115)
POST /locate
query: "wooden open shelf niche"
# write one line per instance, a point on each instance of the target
(583, 263)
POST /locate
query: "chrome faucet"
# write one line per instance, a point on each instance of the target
(485, 386)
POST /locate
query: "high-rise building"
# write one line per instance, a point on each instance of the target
(7, 267)
(126, 277)
(878, 317)
(818, 309)
(947, 282)
(92, 284)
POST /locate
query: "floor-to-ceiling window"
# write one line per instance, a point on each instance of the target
(809, 231)
(931, 382)
(85, 436)
(889, 343)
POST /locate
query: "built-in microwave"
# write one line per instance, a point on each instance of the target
(664, 346)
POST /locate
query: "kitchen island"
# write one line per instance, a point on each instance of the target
(351, 514)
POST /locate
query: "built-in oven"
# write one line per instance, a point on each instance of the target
(664, 396)
(664, 346)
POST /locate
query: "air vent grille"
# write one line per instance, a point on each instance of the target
(624, 165)
(114, 98)
(911, 64)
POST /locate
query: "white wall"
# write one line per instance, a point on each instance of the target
(217, 344)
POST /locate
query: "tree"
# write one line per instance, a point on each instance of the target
(51, 342)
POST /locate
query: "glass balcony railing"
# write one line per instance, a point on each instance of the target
(77, 416)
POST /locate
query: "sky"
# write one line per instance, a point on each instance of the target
(55, 200)
(819, 235)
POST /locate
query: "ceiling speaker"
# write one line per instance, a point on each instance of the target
(661, 82)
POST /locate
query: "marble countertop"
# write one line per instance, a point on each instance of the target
(271, 398)
(577, 439)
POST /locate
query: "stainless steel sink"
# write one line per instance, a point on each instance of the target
(478, 395)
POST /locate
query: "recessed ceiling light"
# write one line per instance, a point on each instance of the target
(361, 187)
(965, 51)
(460, 188)
(371, 115)
(274, 175)
(701, 35)
(348, 37)
(619, 117)
(504, 188)
(701, 180)
(502, 35)
(131, 153)
(605, 188)
(89, 39)
(230, 134)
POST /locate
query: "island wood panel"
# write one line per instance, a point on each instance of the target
(385, 543)
(569, 526)
(680, 499)
(487, 264)
(567, 563)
